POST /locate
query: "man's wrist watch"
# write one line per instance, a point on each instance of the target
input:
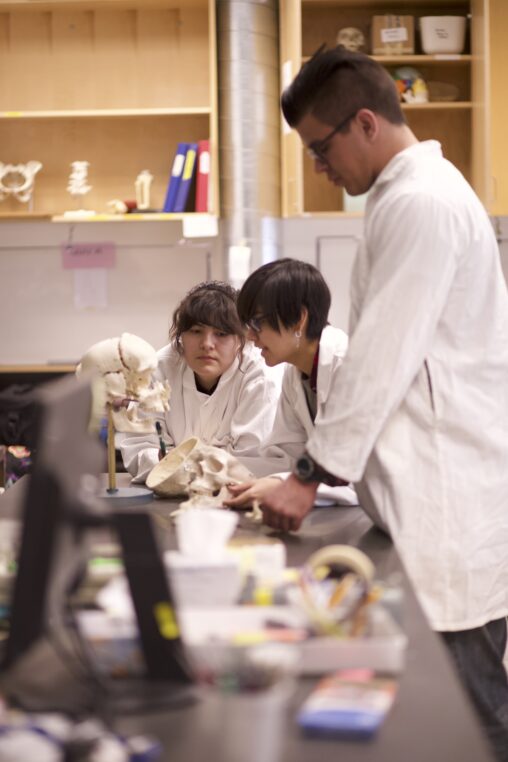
(307, 470)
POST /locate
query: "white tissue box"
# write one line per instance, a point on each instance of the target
(212, 582)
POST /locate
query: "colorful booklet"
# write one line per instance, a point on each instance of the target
(189, 169)
(175, 177)
(348, 704)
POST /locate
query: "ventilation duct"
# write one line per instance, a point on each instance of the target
(249, 132)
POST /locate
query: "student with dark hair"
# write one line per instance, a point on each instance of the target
(221, 390)
(285, 306)
(417, 417)
(279, 290)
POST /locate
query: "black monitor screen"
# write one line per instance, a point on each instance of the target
(61, 511)
(66, 455)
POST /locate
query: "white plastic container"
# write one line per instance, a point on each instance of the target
(443, 34)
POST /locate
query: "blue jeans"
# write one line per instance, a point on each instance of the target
(478, 656)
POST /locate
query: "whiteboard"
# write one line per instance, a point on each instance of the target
(39, 319)
(335, 256)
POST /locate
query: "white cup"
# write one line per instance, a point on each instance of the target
(252, 722)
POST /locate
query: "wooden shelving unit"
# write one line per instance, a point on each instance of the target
(458, 124)
(112, 82)
(33, 374)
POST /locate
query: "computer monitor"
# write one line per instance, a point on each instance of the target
(59, 514)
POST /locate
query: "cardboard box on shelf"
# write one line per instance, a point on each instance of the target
(392, 35)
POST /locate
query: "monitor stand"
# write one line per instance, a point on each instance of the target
(132, 695)
(41, 681)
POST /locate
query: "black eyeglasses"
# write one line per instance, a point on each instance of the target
(255, 323)
(317, 149)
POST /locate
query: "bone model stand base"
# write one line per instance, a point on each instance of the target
(127, 363)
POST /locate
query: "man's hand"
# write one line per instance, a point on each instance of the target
(244, 494)
(285, 507)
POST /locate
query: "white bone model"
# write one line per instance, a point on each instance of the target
(78, 179)
(18, 180)
(142, 186)
(200, 471)
(127, 363)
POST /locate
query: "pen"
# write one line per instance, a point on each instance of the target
(162, 443)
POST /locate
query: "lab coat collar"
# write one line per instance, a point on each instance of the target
(327, 361)
(402, 160)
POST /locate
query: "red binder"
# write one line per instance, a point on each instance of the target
(203, 176)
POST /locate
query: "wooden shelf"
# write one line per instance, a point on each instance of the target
(437, 105)
(133, 217)
(49, 368)
(439, 60)
(420, 58)
(116, 83)
(106, 113)
(305, 25)
(23, 215)
(55, 5)
(399, 6)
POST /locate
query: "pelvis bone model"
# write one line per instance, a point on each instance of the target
(127, 364)
(199, 471)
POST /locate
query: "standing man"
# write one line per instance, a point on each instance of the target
(418, 415)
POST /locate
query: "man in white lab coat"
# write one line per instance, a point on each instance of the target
(418, 416)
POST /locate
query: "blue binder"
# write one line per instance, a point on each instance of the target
(175, 177)
(187, 177)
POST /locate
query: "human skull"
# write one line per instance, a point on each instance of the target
(351, 38)
(200, 471)
(126, 364)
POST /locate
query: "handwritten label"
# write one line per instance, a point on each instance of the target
(85, 255)
(394, 34)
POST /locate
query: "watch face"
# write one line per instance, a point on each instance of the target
(304, 467)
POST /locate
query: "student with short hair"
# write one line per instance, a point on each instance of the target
(285, 306)
(221, 390)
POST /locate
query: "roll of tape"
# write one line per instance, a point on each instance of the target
(343, 555)
(331, 611)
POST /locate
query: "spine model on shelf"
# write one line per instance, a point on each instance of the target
(175, 177)
(189, 169)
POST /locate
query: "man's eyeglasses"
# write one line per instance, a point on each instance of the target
(255, 323)
(318, 149)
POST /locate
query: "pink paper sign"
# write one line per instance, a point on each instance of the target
(82, 255)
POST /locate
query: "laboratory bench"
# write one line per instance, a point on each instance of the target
(431, 718)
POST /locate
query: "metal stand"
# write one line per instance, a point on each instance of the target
(121, 495)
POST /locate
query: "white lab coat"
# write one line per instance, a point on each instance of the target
(238, 415)
(420, 417)
(293, 423)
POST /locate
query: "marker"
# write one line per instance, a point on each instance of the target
(162, 443)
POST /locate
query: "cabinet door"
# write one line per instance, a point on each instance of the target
(116, 84)
(454, 114)
(291, 154)
(497, 160)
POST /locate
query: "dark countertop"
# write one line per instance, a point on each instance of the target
(431, 718)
